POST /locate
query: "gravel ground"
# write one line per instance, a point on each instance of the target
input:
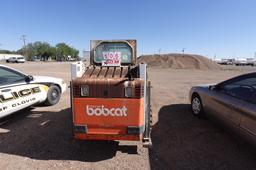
(41, 138)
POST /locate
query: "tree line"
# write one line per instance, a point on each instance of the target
(44, 51)
(7, 52)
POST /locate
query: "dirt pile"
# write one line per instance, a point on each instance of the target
(179, 61)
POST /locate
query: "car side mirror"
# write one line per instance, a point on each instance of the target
(212, 87)
(215, 87)
(28, 78)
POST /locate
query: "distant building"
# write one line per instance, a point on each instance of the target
(7, 56)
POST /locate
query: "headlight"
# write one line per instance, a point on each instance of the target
(84, 90)
(128, 91)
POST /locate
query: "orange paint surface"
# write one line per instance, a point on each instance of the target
(80, 136)
(108, 119)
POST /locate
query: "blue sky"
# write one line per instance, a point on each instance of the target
(225, 28)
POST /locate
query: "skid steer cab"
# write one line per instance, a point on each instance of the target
(111, 98)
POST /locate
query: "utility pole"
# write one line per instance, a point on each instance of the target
(183, 51)
(23, 38)
(159, 51)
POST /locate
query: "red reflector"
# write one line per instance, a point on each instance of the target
(137, 91)
(76, 91)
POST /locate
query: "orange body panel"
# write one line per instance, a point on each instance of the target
(81, 136)
(108, 118)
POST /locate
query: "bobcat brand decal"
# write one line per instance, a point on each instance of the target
(93, 110)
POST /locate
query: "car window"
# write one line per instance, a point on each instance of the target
(107, 47)
(244, 89)
(8, 76)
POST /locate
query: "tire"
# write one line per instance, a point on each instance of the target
(197, 106)
(53, 95)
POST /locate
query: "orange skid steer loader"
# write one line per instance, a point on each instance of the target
(111, 98)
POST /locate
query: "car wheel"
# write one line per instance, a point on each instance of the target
(197, 106)
(53, 95)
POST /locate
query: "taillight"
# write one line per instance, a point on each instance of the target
(81, 90)
(137, 92)
(134, 92)
(84, 90)
(76, 91)
(133, 89)
(128, 92)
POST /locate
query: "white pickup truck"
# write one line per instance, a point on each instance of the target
(16, 60)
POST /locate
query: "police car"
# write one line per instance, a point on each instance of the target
(19, 90)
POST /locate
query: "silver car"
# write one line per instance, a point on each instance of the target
(232, 102)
